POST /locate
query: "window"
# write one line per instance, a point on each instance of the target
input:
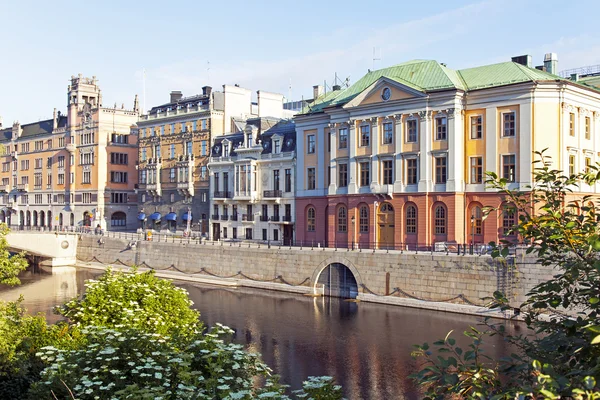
(61, 179)
(264, 234)
(411, 171)
(38, 145)
(508, 220)
(72, 180)
(194, 126)
(216, 181)
(476, 169)
(172, 151)
(476, 127)
(411, 219)
(587, 128)
(118, 197)
(388, 172)
(342, 175)
(234, 233)
(37, 180)
(162, 130)
(343, 138)
(49, 162)
(342, 220)
(440, 170)
(365, 175)
(248, 233)
(189, 148)
(310, 146)
(144, 155)
(203, 148)
(571, 165)
(203, 124)
(365, 135)
(508, 120)
(120, 158)
(24, 147)
(37, 199)
(203, 172)
(329, 142)
(118, 219)
(49, 144)
(388, 133)
(276, 146)
(311, 179)
(87, 198)
(86, 158)
(61, 142)
(87, 177)
(38, 163)
(276, 179)
(172, 175)
(508, 167)
(6, 166)
(571, 124)
(411, 131)
(288, 180)
(24, 165)
(588, 164)
(157, 151)
(88, 137)
(363, 219)
(118, 177)
(61, 161)
(440, 220)
(441, 128)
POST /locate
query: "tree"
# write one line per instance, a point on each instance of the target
(10, 265)
(559, 356)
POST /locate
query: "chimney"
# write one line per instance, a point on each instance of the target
(336, 87)
(551, 63)
(523, 60)
(317, 91)
(176, 96)
(206, 90)
(54, 121)
(136, 104)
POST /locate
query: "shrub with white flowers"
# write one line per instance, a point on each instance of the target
(134, 300)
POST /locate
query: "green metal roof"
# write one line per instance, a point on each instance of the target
(429, 75)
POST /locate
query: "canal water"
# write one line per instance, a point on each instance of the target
(365, 346)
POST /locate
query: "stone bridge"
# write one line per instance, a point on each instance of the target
(50, 249)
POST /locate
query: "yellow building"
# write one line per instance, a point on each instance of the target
(72, 170)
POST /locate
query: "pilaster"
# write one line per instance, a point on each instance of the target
(398, 140)
(375, 140)
(352, 140)
(425, 167)
(333, 155)
(456, 157)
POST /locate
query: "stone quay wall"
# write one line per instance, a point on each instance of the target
(380, 275)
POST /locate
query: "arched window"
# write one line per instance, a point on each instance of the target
(440, 220)
(342, 224)
(363, 219)
(310, 219)
(411, 219)
(118, 219)
(509, 220)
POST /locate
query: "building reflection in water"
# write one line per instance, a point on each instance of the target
(366, 347)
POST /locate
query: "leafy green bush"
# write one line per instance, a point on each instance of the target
(134, 300)
(10, 265)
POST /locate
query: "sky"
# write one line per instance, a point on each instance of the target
(278, 46)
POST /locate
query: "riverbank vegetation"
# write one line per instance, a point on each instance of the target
(559, 355)
(133, 336)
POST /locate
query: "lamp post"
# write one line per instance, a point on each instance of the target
(269, 233)
(375, 204)
(189, 221)
(353, 230)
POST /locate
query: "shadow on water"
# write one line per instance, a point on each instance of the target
(365, 346)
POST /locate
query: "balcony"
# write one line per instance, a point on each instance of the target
(247, 218)
(233, 217)
(264, 218)
(272, 193)
(14, 155)
(154, 189)
(275, 218)
(224, 217)
(185, 188)
(286, 218)
(215, 216)
(222, 194)
(4, 188)
(23, 187)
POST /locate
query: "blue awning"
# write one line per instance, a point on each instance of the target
(185, 216)
(155, 216)
(141, 216)
(171, 217)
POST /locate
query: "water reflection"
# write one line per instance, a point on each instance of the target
(365, 346)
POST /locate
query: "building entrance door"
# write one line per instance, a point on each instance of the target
(385, 226)
(216, 231)
(288, 234)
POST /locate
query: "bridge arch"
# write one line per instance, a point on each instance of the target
(336, 277)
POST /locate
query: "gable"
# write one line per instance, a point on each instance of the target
(374, 93)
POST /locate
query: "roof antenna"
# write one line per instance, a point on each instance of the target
(376, 55)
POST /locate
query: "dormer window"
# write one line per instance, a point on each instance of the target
(276, 146)
(225, 149)
(249, 139)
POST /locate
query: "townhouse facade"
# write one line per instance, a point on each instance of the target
(174, 149)
(253, 182)
(398, 159)
(72, 170)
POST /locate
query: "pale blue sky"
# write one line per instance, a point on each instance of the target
(264, 44)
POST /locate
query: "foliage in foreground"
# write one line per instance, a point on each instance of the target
(559, 357)
(10, 265)
(134, 300)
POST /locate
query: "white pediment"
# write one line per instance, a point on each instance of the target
(375, 93)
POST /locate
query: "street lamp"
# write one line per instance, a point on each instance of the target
(472, 232)
(269, 233)
(353, 230)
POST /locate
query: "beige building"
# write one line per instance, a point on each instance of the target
(72, 170)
